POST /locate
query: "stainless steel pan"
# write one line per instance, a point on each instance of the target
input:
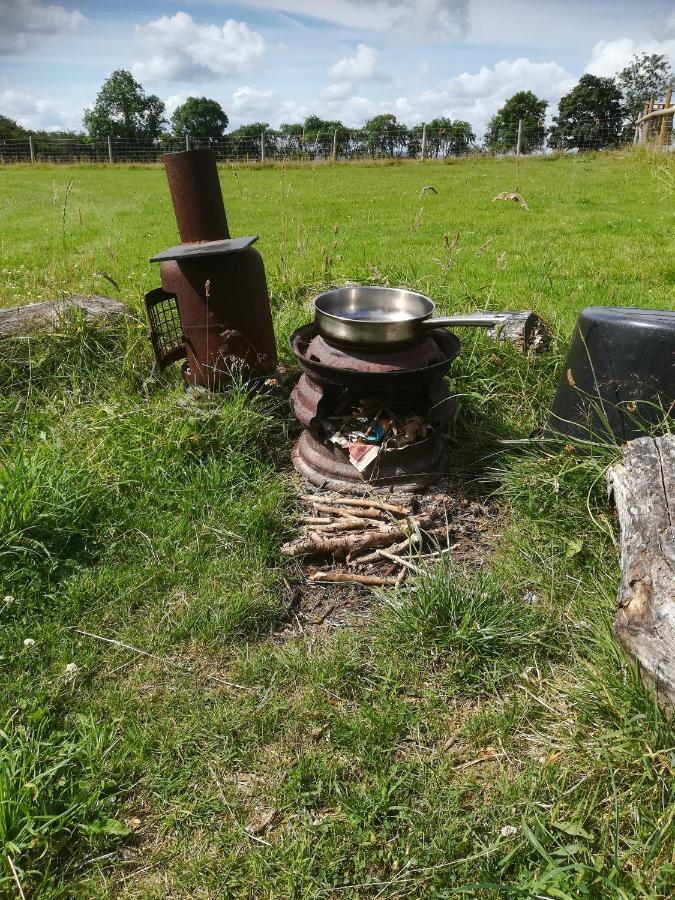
(385, 317)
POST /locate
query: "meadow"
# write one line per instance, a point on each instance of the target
(160, 734)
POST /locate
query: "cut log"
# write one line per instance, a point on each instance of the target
(643, 487)
(525, 330)
(19, 321)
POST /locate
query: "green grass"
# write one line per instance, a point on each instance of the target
(467, 742)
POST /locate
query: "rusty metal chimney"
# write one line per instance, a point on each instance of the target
(213, 284)
(196, 195)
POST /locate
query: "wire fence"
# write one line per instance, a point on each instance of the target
(338, 145)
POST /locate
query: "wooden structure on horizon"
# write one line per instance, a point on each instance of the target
(655, 124)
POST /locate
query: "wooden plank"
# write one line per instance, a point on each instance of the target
(643, 487)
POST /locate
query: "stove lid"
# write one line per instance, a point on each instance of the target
(205, 248)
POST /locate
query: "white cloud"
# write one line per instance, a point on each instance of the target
(438, 19)
(183, 50)
(356, 68)
(247, 100)
(251, 104)
(477, 96)
(471, 96)
(21, 18)
(609, 57)
(347, 73)
(174, 101)
(34, 113)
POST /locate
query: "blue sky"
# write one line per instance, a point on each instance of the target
(279, 60)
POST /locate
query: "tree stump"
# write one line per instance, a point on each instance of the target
(643, 487)
(19, 321)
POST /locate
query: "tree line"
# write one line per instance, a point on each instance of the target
(598, 112)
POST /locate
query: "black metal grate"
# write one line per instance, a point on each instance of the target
(166, 332)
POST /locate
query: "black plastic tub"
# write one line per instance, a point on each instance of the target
(619, 376)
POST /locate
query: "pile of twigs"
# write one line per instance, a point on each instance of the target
(364, 535)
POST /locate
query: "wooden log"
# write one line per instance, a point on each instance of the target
(643, 487)
(525, 330)
(19, 321)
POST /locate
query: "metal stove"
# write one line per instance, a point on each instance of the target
(213, 308)
(408, 379)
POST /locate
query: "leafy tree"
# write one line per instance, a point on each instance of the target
(502, 130)
(200, 117)
(290, 137)
(384, 135)
(10, 129)
(314, 135)
(590, 117)
(246, 139)
(320, 133)
(647, 76)
(124, 110)
(444, 137)
(449, 136)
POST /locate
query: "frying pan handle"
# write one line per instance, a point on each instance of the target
(471, 320)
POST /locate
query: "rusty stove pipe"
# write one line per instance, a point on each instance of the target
(222, 295)
(196, 195)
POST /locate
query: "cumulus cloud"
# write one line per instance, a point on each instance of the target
(439, 19)
(355, 68)
(251, 101)
(34, 113)
(476, 96)
(183, 50)
(347, 73)
(19, 19)
(609, 57)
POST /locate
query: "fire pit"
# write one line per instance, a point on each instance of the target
(372, 416)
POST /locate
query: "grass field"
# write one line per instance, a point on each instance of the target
(464, 742)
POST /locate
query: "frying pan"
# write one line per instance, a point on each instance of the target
(385, 317)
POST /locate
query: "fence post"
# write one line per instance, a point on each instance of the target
(262, 146)
(335, 145)
(520, 137)
(187, 140)
(30, 147)
(646, 126)
(665, 119)
(424, 139)
(110, 154)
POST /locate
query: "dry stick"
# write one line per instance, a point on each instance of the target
(162, 659)
(16, 877)
(373, 557)
(399, 559)
(365, 501)
(314, 520)
(369, 513)
(345, 544)
(324, 615)
(345, 524)
(373, 580)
